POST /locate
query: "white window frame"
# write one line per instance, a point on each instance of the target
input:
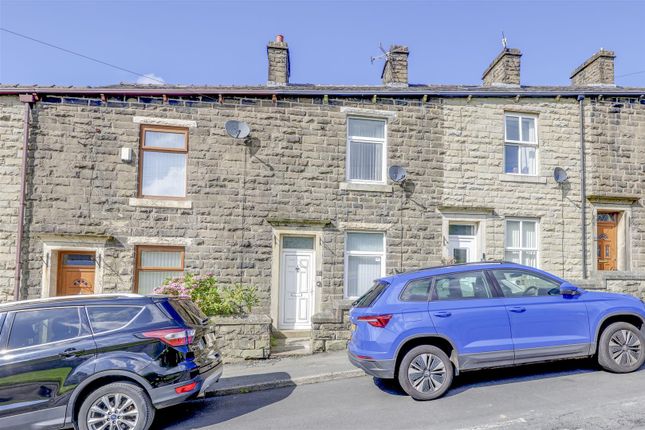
(521, 248)
(349, 253)
(361, 139)
(521, 143)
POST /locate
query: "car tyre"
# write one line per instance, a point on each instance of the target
(119, 402)
(621, 348)
(425, 372)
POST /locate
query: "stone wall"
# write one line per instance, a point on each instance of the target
(330, 330)
(243, 338)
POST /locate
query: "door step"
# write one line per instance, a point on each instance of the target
(290, 346)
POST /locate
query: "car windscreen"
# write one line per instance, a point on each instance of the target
(188, 311)
(367, 299)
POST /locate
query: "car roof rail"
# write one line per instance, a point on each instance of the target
(472, 263)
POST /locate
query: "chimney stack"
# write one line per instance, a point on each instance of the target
(504, 71)
(598, 70)
(395, 69)
(279, 67)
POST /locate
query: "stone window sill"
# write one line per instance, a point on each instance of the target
(376, 188)
(160, 203)
(505, 177)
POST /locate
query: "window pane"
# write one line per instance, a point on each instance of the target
(528, 129)
(461, 230)
(163, 174)
(511, 159)
(513, 234)
(529, 258)
(518, 283)
(513, 257)
(417, 291)
(104, 318)
(529, 235)
(365, 161)
(370, 242)
(468, 285)
(148, 281)
(460, 255)
(32, 328)
(171, 259)
(296, 242)
(78, 260)
(527, 160)
(512, 128)
(162, 139)
(366, 128)
(361, 272)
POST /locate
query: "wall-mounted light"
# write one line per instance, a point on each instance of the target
(126, 155)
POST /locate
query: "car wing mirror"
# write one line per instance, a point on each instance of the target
(568, 289)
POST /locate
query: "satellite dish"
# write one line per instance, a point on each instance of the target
(560, 175)
(397, 174)
(237, 129)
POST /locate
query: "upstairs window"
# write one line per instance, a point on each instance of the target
(162, 162)
(366, 150)
(521, 144)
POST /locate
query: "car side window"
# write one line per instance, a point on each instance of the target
(519, 283)
(37, 327)
(105, 318)
(417, 290)
(460, 286)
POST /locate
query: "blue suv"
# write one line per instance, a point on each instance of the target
(424, 327)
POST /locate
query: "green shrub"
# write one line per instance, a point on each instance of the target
(213, 300)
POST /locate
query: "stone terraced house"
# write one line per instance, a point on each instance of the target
(126, 185)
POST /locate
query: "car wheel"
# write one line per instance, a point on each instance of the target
(425, 372)
(120, 405)
(620, 348)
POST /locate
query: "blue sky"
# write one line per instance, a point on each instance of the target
(224, 42)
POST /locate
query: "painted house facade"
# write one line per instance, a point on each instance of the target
(127, 185)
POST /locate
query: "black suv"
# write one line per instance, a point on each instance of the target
(101, 361)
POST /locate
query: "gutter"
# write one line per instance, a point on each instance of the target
(27, 99)
(583, 191)
(364, 92)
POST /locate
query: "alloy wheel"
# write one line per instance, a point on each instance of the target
(625, 348)
(426, 373)
(114, 411)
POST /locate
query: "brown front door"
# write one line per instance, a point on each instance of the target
(607, 241)
(76, 273)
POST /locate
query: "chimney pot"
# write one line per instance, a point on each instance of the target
(597, 70)
(504, 71)
(279, 64)
(395, 69)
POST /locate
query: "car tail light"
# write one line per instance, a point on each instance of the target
(186, 388)
(376, 320)
(172, 336)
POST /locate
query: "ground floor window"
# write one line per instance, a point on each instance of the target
(364, 261)
(155, 264)
(522, 241)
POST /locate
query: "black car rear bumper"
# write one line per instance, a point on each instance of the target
(165, 396)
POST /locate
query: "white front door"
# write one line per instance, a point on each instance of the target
(296, 289)
(463, 247)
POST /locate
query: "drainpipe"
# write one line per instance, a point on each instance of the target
(27, 99)
(583, 191)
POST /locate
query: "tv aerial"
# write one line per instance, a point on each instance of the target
(560, 175)
(504, 41)
(384, 56)
(237, 129)
(397, 174)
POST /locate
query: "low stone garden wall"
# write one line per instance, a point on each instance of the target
(242, 338)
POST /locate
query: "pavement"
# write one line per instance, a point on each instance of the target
(562, 395)
(261, 375)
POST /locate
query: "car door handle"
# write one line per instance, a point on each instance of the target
(517, 309)
(442, 314)
(69, 353)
